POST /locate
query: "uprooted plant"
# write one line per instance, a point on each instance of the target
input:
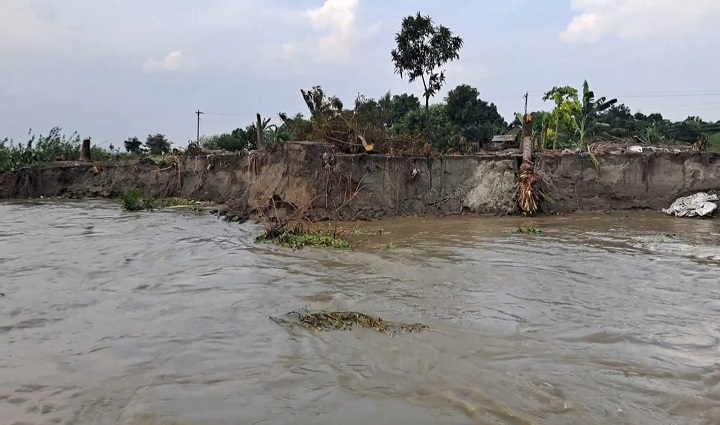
(290, 224)
(296, 230)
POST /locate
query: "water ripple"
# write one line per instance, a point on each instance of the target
(150, 318)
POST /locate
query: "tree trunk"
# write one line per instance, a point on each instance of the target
(527, 139)
(526, 185)
(260, 134)
(427, 119)
(85, 151)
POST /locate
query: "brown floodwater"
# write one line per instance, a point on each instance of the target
(162, 318)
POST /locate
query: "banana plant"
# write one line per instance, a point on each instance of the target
(566, 105)
(590, 108)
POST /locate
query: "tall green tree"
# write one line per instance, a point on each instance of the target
(133, 145)
(477, 119)
(617, 120)
(442, 131)
(157, 144)
(398, 106)
(422, 48)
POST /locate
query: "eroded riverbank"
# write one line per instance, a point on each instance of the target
(162, 318)
(324, 185)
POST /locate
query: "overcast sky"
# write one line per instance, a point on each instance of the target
(112, 69)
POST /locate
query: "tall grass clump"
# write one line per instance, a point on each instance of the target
(133, 201)
(714, 142)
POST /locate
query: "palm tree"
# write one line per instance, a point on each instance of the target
(527, 192)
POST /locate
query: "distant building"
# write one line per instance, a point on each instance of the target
(502, 141)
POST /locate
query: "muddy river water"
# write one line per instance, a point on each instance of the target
(162, 318)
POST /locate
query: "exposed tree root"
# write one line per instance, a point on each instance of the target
(26, 183)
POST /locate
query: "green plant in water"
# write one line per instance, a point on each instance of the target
(299, 238)
(528, 230)
(133, 201)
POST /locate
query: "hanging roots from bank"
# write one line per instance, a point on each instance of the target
(26, 182)
(318, 320)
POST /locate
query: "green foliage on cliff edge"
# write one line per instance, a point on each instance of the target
(43, 149)
(714, 142)
(55, 146)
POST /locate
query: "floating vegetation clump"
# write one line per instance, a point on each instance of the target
(296, 230)
(301, 239)
(133, 201)
(528, 230)
(319, 320)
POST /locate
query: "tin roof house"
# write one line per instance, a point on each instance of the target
(503, 141)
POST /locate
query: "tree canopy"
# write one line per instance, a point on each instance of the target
(133, 145)
(477, 119)
(422, 48)
(157, 144)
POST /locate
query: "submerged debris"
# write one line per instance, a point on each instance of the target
(318, 320)
(700, 204)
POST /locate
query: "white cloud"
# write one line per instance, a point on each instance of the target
(170, 63)
(626, 19)
(337, 19)
(336, 32)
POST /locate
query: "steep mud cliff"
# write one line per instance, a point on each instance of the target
(626, 181)
(309, 175)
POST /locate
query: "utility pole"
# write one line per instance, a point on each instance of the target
(525, 116)
(198, 112)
